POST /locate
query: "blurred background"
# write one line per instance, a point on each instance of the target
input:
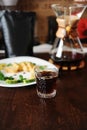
(45, 27)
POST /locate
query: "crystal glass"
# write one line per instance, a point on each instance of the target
(67, 50)
(46, 81)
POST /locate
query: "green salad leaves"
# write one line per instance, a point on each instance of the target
(21, 79)
(11, 80)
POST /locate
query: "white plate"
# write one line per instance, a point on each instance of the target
(35, 60)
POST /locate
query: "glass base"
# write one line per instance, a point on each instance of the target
(45, 95)
(73, 66)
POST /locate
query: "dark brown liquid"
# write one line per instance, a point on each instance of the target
(69, 59)
(46, 82)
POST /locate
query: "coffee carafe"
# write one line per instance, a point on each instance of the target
(67, 51)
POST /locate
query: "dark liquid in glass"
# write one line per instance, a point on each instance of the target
(46, 82)
(69, 60)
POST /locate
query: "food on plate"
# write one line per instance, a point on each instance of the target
(2, 65)
(17, 67)
(20, 69)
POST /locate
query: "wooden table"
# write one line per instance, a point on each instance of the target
(22, 109)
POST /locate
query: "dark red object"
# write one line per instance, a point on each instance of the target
(82, 28)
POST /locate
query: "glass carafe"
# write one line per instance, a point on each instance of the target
(67, 50)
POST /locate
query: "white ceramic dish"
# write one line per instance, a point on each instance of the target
(35, 60)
